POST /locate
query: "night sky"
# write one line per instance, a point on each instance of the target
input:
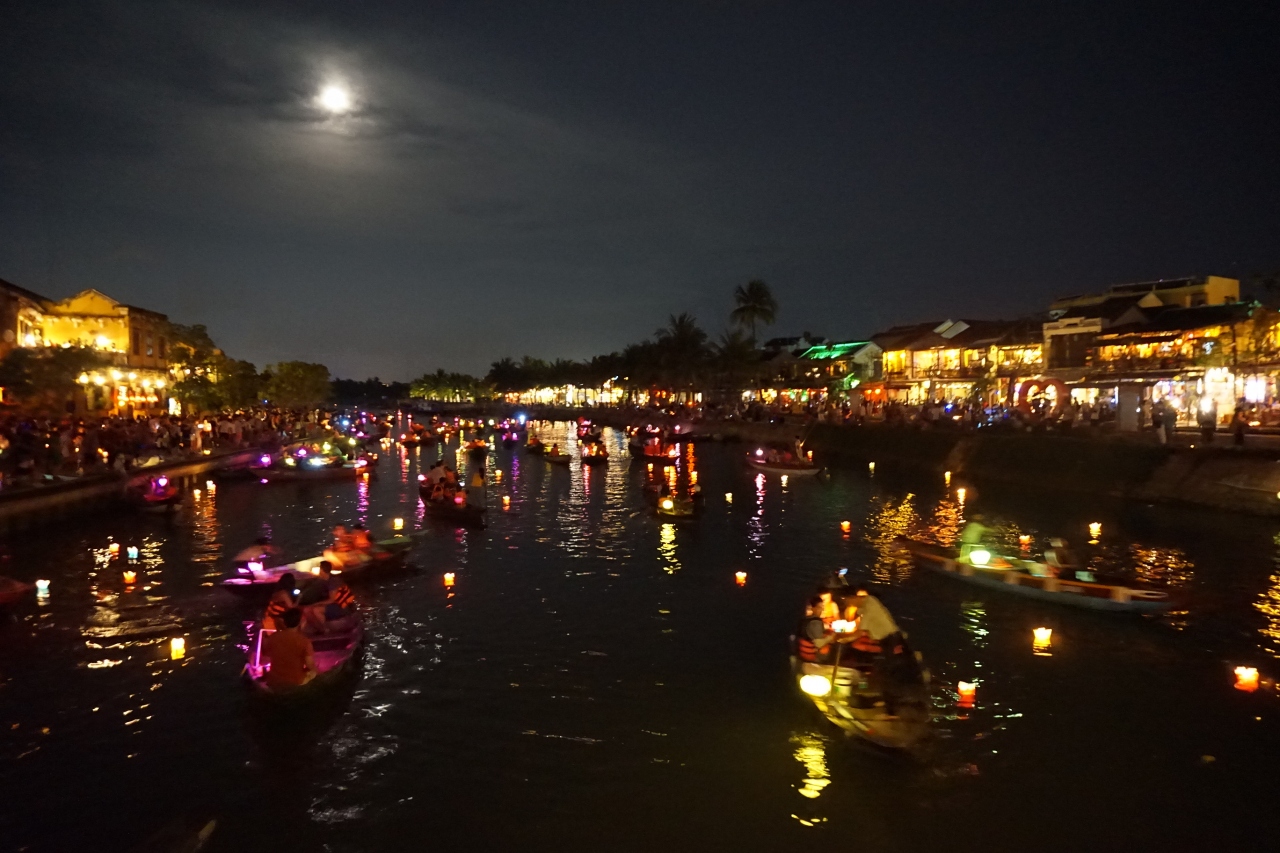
(556, 178)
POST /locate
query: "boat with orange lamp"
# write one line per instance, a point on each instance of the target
(880, 695)
(781, 460)
(1033, 579)
(594, 453)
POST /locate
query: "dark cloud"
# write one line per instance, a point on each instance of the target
(557, 178)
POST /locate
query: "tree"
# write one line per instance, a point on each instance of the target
(297, 384)
(239, 383)
(737, 360)
(682, 350)
(44, 379)
(753, 304)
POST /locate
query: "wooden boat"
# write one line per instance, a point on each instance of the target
(594, 454)
(455, 510)
(883, 699)
(1034, 580)
(477, 449)
(510, 440)
(12, 591)
(557, 458)
(336, 655)
(407, 440)
(153, 494)
(257, 577)
(535, 446)
(675, 509)
(758, 461)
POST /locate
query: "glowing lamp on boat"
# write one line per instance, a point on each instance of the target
(302, 452)
(254, 566)
(289, 460)
(673, 453)
(1246, 678)
(397, 524)
(740, 578)
(448, 578)
(130, 577)
(458, 499)
(177, 648)
(728, 497)
(132, 552)
(422, 477)
(265, 460)
(1042, 641)
(759, 452)
(1095, 530)
(162, 482)
(315, 461)
(667, 503)
(979, 556)
(42, 589)
(967, 691)
(362, 463)
(844, 626)
(351, 441)
(815, 685)
(846, 526)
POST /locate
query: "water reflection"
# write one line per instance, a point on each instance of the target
(886, 522)
(667, 548)
(1268, 604)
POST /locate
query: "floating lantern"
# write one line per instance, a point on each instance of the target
(177, 648)
(497, 476)
(815, 685)
(946, 478)
(114, 548)
(1095, 529)
(195, 493)
(1042, 641)
(506, 501)
(397, 524)
(871, 468)
(42, 589)
(448, 578)
(667, 503)
(741, 578)
(846, 526)
(130, 577)
(1246, 678)
(728, 497)
(960, 495)
(1025, 542)
(979, 556)
(784, 479)
(132, 552)
(967, 691)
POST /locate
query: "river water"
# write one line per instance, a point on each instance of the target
(595, 679)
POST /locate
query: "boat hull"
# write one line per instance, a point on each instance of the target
(462, 515)
(390, 555)
(789, 470)
(851, 705)
(1092, 596)
(337, 656)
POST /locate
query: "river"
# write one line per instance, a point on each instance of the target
(596, 679)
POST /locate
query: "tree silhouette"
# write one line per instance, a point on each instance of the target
(753, 304)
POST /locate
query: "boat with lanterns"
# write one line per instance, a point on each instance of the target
(1033, 579)
(671, 508)
(259, 576)
(337, 655)
(781, 460)
(313, 460)
(153, 493)
(593, 453)
(452, 508)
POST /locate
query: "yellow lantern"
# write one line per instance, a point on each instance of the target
(506, 501)
(871, 468)
(846, 526)
(741, 578)
(397, 524)
(1095, 530)
(728, 497)
(946, 478)
(967, 691)
(1042, 641)
(1246, 678)
(130, 578)
(177, 648)
(448, 578)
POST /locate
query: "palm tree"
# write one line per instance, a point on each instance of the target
(754, 304)
(737, 360)
(682, 349)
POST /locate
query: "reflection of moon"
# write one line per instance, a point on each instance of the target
(335, 99)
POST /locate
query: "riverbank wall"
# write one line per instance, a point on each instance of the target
(38, 505)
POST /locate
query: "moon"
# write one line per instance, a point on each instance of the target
(335, 99)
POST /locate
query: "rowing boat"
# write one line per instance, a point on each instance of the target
(455, 509)
(1034, 580)
(336, 655)
(794, 468)
(256, 576)
(557, 458)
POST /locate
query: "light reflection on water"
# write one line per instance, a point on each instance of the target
(560, 625)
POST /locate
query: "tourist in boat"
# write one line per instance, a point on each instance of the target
(813, 639)
(360, 540)
(875, 621)
(828, 610)
(281, 602)
(971, 538)
(331, 613)
(555, 450)
(261, 551)
(293, 660)
(1061, 559)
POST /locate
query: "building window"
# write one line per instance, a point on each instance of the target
(137, 342)
(160, 349)
(151, 349)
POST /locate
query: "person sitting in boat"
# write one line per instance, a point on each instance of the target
(555, 450)
(973, 535)
(1062, 560)
(813, 639)
(875, 622)
(828, 610)
(293, 660)
(281, 602)
(360, 540)
(261, 551)
(333, 612)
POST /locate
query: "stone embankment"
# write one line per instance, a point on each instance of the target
(28, 507)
